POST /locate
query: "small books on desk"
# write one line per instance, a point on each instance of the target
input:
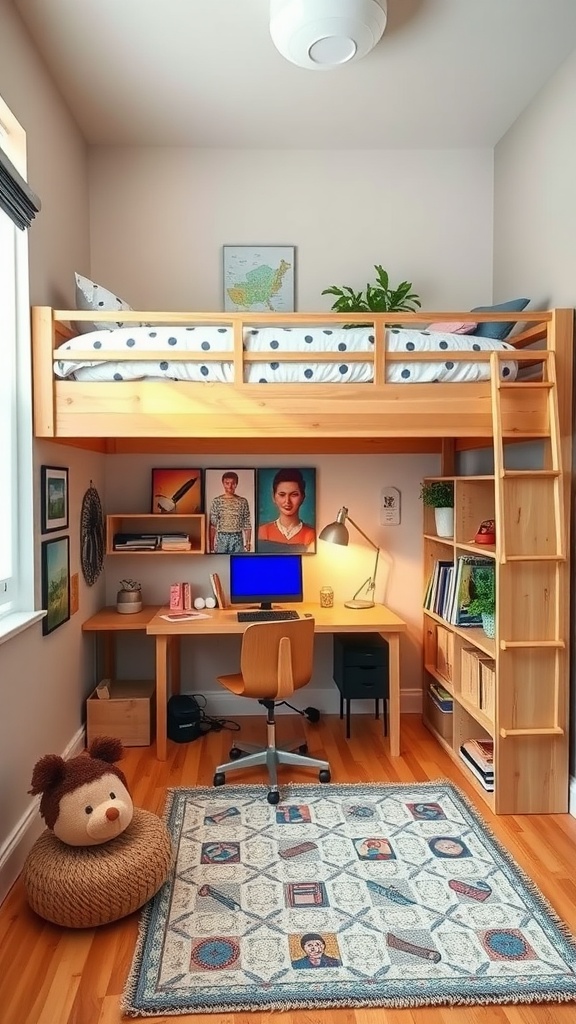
(217, 590)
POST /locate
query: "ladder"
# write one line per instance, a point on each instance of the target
(532, 597)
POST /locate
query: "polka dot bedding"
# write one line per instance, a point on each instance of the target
(271, 341)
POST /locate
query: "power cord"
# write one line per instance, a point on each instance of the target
(312, 714)
(210, 724)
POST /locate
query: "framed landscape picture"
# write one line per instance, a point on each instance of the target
(54, 498)
(176, 491)
(286, 520)
(259, 278)
(55, 556)
(230, 510)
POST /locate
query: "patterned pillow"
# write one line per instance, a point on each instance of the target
(452, 327)
(502, 329)
(91, 296)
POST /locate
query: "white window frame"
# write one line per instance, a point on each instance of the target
(17, 458)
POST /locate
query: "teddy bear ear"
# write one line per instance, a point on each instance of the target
(106, 748)
(47, 773)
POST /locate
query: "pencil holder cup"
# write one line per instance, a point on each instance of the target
(326, 597)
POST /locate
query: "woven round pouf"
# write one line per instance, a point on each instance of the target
(85, 886)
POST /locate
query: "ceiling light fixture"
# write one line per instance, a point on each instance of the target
(326, 34)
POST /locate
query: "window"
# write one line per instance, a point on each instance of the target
(16, 457)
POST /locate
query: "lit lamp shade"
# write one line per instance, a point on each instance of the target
(324, 34)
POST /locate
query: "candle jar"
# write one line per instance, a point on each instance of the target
(326, 597)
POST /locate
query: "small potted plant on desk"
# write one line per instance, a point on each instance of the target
(484, 597)
(439, 495)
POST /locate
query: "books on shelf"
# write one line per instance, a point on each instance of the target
(135, 541)
(463, 591)
(441, 697)
(478, 755)
(175, 542)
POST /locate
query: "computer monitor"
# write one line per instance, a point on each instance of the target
(265, 579)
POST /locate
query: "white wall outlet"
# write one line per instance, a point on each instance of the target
(389, 506)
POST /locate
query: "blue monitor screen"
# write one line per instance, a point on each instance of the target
(266, 579)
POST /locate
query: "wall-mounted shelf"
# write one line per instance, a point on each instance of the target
(193, 526)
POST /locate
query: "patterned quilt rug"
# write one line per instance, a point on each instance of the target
(342, 895)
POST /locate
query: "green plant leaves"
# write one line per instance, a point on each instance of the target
(379, 297)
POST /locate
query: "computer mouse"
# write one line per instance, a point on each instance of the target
(307, 615)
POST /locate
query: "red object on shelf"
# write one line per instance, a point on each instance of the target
(486, 532)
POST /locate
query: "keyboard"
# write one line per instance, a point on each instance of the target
(266, 615)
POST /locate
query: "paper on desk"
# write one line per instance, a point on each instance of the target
(184, 616)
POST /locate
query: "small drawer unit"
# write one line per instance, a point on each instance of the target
(361, 671)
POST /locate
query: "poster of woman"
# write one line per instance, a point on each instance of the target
(286, 511)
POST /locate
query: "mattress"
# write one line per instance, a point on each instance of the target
(270, 341)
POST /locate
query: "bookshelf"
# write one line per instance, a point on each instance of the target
(192, 525)
(511, 688)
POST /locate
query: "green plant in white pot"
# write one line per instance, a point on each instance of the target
(484, 597)
(439, 495)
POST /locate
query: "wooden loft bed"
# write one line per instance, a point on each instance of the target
(243, 417)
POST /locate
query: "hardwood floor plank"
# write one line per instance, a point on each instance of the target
(49, 975)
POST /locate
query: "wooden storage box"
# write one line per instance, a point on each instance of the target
(488, 687)
(470, 662)
(440, 720)
(445, 652)
(127, 713)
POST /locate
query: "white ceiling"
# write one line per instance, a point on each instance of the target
(446, 73)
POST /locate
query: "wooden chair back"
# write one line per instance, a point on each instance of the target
(276, 658)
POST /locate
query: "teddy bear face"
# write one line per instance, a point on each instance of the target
(95, 812)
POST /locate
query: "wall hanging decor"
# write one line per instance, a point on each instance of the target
(230, 510)
(91, 536)
(259, 278)
(54, 498)
(176, 491)
(55, 583)
(286, 511)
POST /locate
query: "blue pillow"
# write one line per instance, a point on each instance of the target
(498, 330)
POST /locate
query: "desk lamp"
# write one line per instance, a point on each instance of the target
(337, 533)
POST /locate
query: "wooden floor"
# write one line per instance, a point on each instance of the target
(52, 976)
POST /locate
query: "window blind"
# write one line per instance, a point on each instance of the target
(16, 198)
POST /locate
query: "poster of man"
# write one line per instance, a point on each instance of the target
(230, 500)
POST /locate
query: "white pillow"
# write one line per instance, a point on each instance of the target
(91, 296)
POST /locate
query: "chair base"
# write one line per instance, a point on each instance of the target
(252, 756)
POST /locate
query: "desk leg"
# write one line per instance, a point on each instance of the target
(161, 697)
(394, 698)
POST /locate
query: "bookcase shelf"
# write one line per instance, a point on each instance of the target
(192, 525)
(511, 689)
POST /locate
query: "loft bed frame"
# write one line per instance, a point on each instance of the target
(233, 418)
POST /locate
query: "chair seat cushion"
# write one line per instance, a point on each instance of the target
(82, 887)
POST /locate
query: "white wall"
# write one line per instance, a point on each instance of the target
(159, 218)
(43, 679)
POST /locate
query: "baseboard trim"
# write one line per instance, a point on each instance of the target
(222, 704)
(15, 849)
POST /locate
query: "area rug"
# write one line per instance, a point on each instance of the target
(342, 895)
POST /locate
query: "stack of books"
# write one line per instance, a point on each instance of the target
(136, 541)
(175, 542)
(478, 755)
(441, 697)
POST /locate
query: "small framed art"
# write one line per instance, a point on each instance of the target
(54, 498)
(55, 582)
(259, 278)
(230, 510)
(176, 491)
(286, 521)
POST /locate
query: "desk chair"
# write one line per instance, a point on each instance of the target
(276, 659)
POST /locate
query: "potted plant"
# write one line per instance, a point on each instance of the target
(439, 495)
(379, 297)
(484, 600)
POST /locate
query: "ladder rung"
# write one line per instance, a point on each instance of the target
(523, 384)
(554, 730)
(506, 645)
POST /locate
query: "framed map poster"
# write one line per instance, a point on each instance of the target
(259, 278)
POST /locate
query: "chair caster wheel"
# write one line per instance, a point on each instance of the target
(273, 796)
(303, 749)
(235, 753)
(324, 775)
(219, 779)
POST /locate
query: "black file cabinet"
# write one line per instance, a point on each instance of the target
(361, 671)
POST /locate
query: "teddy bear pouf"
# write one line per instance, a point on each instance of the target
(100, 858)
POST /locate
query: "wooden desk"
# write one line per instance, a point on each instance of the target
(108, 622)
(328, 620)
